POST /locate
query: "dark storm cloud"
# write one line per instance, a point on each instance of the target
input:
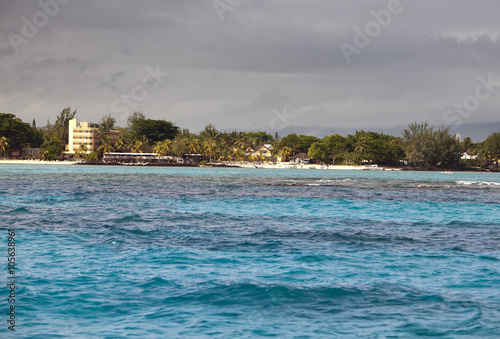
(262, 56)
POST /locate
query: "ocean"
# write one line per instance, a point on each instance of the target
(158, 252)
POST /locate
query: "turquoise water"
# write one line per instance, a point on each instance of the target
(109, 252)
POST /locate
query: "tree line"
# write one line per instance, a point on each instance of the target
(419, 145)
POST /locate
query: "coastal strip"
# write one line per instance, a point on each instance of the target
(36, 162)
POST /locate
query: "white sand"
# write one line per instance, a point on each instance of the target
(282, 165)
(35, 162)
(307, 166)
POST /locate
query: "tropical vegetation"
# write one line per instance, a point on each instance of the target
(420, 145)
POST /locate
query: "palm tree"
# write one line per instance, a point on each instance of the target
(238, 145)
(194, 145)
(210, 132)
(158, 149)
(210, 146)
(139, 145)
(4, 145)
(106, 146)
(254, 142)
(163, 147)
(285, 152)
(360, 147)
(81, 152)
(119, 144)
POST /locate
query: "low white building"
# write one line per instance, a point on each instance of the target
(467, 156)
(264, 150)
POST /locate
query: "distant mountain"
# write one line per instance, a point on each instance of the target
(476, 131)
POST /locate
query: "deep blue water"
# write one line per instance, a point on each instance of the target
(109, 252)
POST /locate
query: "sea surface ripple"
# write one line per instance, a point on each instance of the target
(146, 252)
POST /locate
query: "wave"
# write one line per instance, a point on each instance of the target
(19, 210)
(304, 182)
(434, 186)
(477, 183)
(461, 184)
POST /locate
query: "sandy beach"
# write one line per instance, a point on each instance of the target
(313, 167)
(255, 165)
(35, 162)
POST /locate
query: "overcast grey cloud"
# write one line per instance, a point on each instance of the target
(264, 55)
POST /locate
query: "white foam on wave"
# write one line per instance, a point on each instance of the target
(477, 183)
(331, 182)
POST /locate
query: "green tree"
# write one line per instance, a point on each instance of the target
(318, 150)
(140, 145)
(119, 145)
(492, 145)
(134, 118)
(125, 139)
(155, 130)
(162, 148)
(92, 157)
(60, 129)
(210, 142)
(107, 123)
(446, 149)
(292, 141)
(360, 147)
(239, 143)
(335, 146)
(285, 152)
(4, 145)
(467, 144)
(382, 149)
(210, 148)
(255, 139)
(210, 132)
(417, 142)
(425, 146)
(105, 146)
(43, 154)
(194, 145)
(305, 141)
(81, 152)
(19, 133)
(180, 146)
(54, 148)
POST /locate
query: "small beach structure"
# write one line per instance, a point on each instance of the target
(264, 150)
(301, 158)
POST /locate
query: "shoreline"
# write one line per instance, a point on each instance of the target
(213, 165)
(251, 166)
(35, 162)
(283, 166)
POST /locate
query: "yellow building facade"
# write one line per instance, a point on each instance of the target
(82, 134)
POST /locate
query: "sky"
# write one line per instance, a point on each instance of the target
(253, 64)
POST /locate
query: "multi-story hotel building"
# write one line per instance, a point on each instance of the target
(82, 134)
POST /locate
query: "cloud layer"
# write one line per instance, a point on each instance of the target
(263, 56)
